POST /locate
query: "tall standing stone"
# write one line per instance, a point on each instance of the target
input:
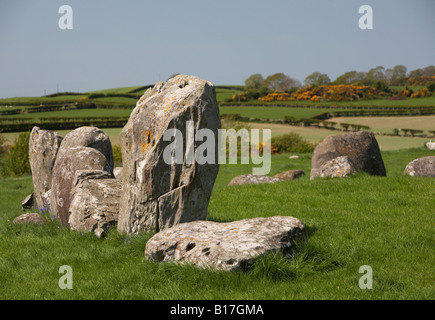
(360, 147)
(43, 148)
(157, 194)
(85, 148)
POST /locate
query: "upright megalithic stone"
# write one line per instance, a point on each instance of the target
(157, 193)
(85, 148)
(43, 148)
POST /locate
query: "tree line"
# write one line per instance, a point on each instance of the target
(378, 76)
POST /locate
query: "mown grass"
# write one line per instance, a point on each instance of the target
(384, 222)
(273, 112)
(77, 113)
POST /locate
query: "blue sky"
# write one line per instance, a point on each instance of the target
(129, 43)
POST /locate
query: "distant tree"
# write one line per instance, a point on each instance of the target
(388, 75)
(281, 82)
(429, 71)
(317, 78)
(417, 73)
(381, 86)
(431, 86)
(254, 82)
(399, 71)
(374, 74)
(350, 77)
(397, 77)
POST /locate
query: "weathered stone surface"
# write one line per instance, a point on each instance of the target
(421, 167)
(91, 137)
(95, 201)
(339, 167)
(430, 145)
(252, 179)
(226, 246)
(67, 163)
(157, 194)
(361, 147)
(30, 218)
(43, 149)
(289, 175)
(28, 202)
(117, 172)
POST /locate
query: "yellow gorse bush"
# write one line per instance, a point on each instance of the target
(325, 93)
(421, 93)
(273, 149)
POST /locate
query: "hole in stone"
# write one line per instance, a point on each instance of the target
(183, 84)
(190, 246)
(230, 261)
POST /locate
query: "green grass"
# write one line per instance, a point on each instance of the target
(408, 102)
(384, 222)
(121, 90)
(272, 112)
(224, 93)
(77, 113)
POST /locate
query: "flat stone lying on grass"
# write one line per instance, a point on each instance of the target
(339, 167)
(290, 175)
(421, 167)
(226, 246)
(252, 179)
(30, 218)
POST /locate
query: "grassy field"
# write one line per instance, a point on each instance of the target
(222, 93)
(387, 124)
(273, 112)
(383, 222)
(74, 113)
(314, 135)
(408, 102)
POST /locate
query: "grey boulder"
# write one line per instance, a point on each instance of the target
(339, 167)
(361, 147)
(30, 218)
(226, 246)
(421, 167)
(95, 201)
(252, 179)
